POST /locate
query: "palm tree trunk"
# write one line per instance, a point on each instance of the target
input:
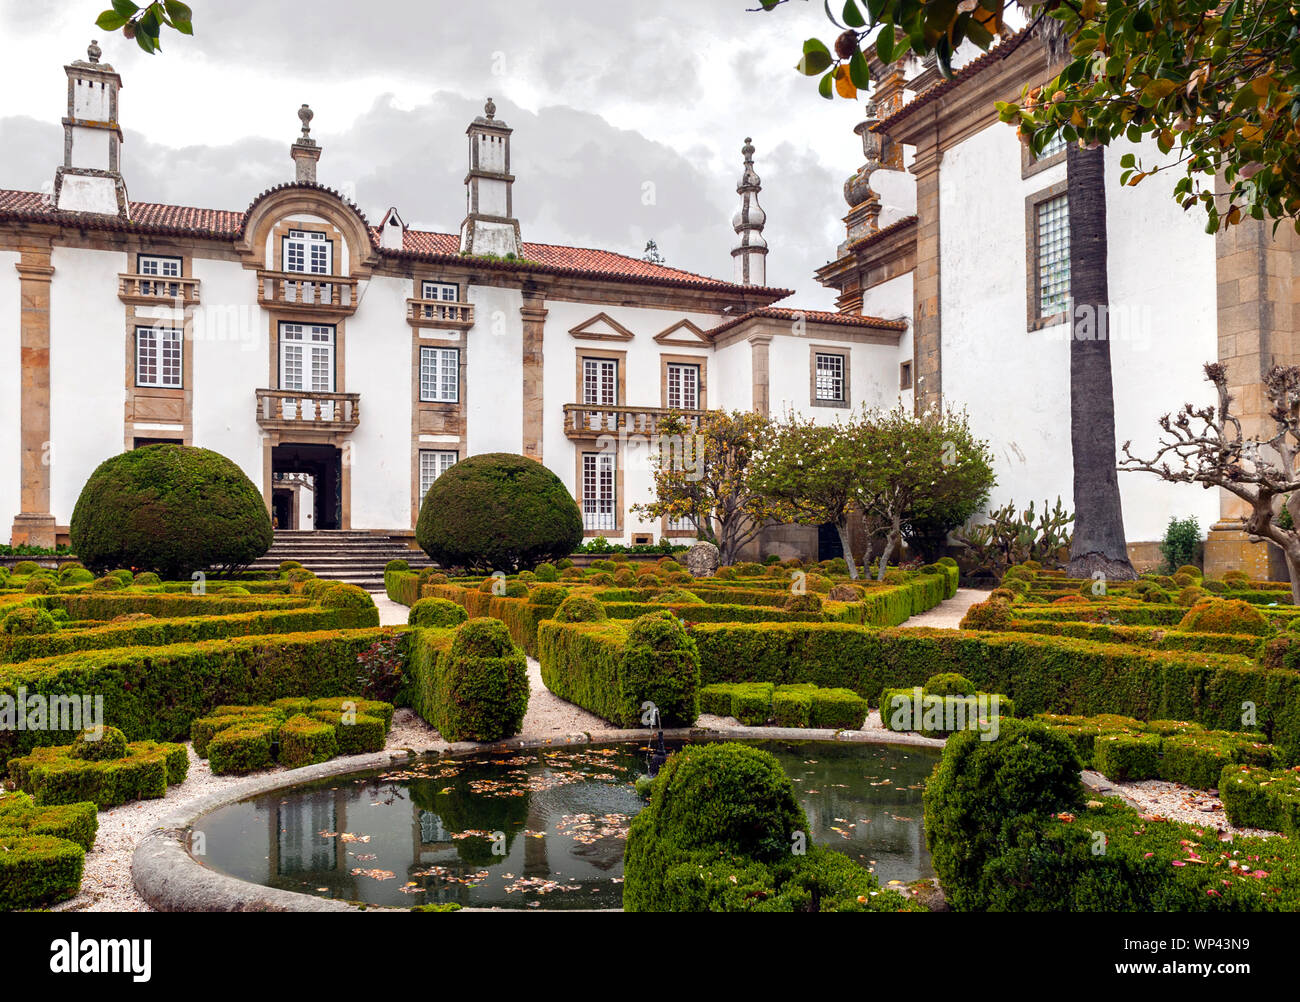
(1098, 545)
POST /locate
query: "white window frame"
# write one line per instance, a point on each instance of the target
(433, 464)
(160, 357)
(683, 524)
(439, 375)
(599, 492)
(163, 266)
(684, 385)
(829, 379)
(600, 382)
(443, 292)
(308, 252)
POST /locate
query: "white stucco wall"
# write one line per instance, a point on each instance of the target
(10, 393)
(378, 366)
(494, 384)
(87, 370)
(1015, 383)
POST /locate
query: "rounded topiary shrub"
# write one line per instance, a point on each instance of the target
(288, 565)
(345, 596)
(397, 565)
(548, 594)
(1225, 616)
(482, 691)
(27, 621)
(546, 572)
(171, 509)
(844, 593)
(109, 583)
(436, 613)
(40, 585)
(807, 602)
(498, 510)
(77, 575)
(661, 664)
(579, 609)
(123, 575)
(678, 596)
(625, 577)
(147, 578)
(1192, 570)
(985, 794)
(26, 567)
(429, 576)
(99, 746)
(950, 684)
(991, 615)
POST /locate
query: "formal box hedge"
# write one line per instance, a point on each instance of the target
(20, 815)
(838, 709)
(1255, 797)
(64, 775)
(471, 683)
(38, 870)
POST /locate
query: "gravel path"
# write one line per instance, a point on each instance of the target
(948, 613)
(390, 612)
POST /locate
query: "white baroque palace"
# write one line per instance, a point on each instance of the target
(344, 365)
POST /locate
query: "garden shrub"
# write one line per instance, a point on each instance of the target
(716, 836)
(949, 684)
(988, 615)
(40, 586)
(235, 590)
(1255, 797)
(436, 612)
(751, 702)
(806, 602)
(792, 705)
(38, 870)
(1121, 756)
(295, 731)
(305, 741)
(838, 709)
(546, 572)
(392, 565)
(580, 609)
(844, 593)
(20, 815)
(289, 565)
(106, 773)
(75, 576)
(26, 567)
(107, 583)
(470, 683)
(26, 621)
(498, 510)
(678, 596)
(171, 509)
(352, 599)
(547, 595)
(1225, 616)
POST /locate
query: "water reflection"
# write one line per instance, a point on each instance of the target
(536, 828)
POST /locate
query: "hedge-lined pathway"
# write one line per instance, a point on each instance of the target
(948, 613)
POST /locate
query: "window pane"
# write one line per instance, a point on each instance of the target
(829, 380)
(432, 465)
(598, 491)
(1053, 255)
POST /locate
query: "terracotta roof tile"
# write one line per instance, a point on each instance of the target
(811, 316)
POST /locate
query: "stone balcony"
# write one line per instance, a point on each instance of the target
(590, 421)
(301, 410)
(152, 290)
(439, 313)
(296, 292)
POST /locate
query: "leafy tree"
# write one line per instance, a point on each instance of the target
(703, 471)
(145, 24)
(811, 473)
(917, 467)
(1206, 446)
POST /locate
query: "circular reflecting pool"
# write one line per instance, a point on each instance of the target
(536, 828)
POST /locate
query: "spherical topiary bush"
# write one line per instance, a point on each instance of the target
(40, 585)
(123, 575)
(288, 565)
(147, 578)
(345, 596)
(229, 590)
(498, 510)
(661, 664)
(548, 594)
(719, 799)
(678, 596)
(991, 615)
(1225, 616)
(579, 609)
(601, 579)
(430, 576)
(546, 572)
(950, 684)
(108, 583)
(27, 621)
(984, 794)
(438, 613)
(26, 567)
(77, 575)
(625, 577)
(99, 746)
(516, 589)
(807, 602)
(397, 565)
(1191, 570)
(1191, 595)
(171, 509)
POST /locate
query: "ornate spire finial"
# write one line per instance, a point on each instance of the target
(93, 51)
(305, 115)
(490, 109)
(750, 252)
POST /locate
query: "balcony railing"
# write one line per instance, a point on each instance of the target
(301, 410)
(297, 291)
(152, 290)
(594, 420)
(439, 313)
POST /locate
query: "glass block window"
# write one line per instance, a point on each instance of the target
(433, 464)
(158, 356)
(683, 386)
(446, 292)
(829, 377)
(1053, 255)
(440, 374)
(1054, 146)
(308, 252)
(599, 491)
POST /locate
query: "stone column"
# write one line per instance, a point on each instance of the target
(1257, 303)
(760, 370)
(34, 525)
(927, 362)
(533, 314)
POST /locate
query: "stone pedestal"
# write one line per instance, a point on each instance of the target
(33, 530)
(1229, 548)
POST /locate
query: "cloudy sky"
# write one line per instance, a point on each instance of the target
(628, 117)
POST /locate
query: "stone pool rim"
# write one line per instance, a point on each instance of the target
(171, 880)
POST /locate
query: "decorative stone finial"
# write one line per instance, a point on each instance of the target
(750, 253)
(93, 51)
(490, 109)
(305, 115)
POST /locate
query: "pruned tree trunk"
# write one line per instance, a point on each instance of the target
(1098, 544)
(893, 540)
(842, 527)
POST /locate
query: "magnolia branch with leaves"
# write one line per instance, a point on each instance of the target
(145, 24)
(1207, 446)
(1215, 85)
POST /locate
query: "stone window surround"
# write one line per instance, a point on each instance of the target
(419, 361)
(135, 356)
(824, 349)
(620, 357)
(441, 421)
(904, 375)
(1031, 165)
(153, 405)
(700, 362)
(280, 233)
(1033, 321)
(619, 494)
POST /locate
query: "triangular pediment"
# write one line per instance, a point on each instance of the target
(683, 334)
(601, 327)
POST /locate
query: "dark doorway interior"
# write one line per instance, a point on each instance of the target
(828, 542)
(140, 443)
(282, 509)
(324, 463)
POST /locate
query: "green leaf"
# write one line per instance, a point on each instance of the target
(147, 42)
(816, 58)
(885, 44)
(859, 71)
(852, 16)
(1127, 160)
(178, 11)
(825, 86)
(110, 20)
(125, 7)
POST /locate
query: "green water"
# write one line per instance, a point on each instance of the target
(427, 832)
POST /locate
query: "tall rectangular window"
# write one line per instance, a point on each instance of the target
(683, 386)
(307, 358)
(440, 374)
(599, 490)
(828, 378)
(158, 357)
(433, 464)
(683, 524)
(446, 292)
(309, 252)
(1052, 254)
(163, 267)
(600, 381)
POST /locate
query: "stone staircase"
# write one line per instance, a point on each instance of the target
(352, 556)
